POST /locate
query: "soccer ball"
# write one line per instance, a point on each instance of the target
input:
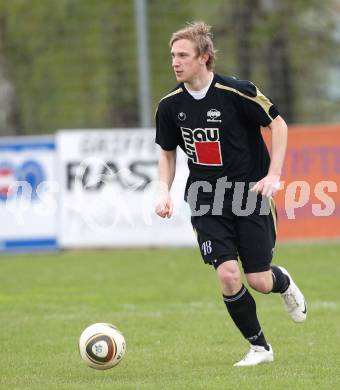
(102, 346)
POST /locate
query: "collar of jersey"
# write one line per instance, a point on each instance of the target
(209, 88)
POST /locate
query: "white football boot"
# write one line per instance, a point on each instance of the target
(256, 355)
(294, 300)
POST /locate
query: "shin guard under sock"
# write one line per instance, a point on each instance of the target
(242, 309)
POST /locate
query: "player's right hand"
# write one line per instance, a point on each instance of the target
(268, 186)
(164, 206)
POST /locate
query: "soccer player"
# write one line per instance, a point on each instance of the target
(217, 121)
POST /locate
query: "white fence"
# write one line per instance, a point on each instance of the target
(87, 188)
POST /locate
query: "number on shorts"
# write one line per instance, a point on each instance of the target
(206, 248)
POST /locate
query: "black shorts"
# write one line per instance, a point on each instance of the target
(229, 237)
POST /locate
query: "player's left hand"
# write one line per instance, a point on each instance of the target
(268, 186)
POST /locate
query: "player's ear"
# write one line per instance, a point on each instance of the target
(203, 59)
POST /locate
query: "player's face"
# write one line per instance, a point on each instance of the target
(185, 61)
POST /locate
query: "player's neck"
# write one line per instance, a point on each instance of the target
(200, 81)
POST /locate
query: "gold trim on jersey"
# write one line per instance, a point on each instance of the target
(172, 93)
(273, 212)
(260, 99)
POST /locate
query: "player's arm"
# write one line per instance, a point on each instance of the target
(167, 170)
(270, 184)
(263, 112)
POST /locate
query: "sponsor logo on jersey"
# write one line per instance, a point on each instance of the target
(203, 145)
(213, 115)
(182, 116)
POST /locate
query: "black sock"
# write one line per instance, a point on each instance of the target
(280, 280)
(242, 310)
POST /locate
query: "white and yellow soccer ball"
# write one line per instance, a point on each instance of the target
(102, 346)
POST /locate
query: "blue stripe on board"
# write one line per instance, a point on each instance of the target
(17, 147)
(31, 244)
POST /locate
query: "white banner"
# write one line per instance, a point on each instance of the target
(28, 193)
(109, 187)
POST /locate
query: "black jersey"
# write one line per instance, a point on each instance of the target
(221, 133)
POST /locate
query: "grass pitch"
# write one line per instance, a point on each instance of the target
(168, 305)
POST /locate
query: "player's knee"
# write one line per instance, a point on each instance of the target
(260, 283)
(228, 274)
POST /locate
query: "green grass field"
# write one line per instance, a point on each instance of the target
(168, 305)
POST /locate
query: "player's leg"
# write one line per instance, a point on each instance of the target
(260, 281)
(216, 239)
(242, 309)
(257, 235)
(229, 276)
(240, 303)
(255, 252)
(283, 283)
(273, 280)
(292, 297)
(278, 280)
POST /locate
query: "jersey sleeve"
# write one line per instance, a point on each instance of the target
(256, 106)
(166, 134)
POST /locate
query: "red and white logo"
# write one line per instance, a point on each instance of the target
(203, 145)
(7, 179)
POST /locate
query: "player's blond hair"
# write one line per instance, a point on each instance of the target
(198, 33)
